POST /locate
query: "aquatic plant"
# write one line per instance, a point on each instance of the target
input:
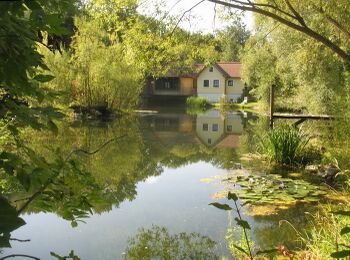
(284, 144)
(274, 189)
(328, 234)
(243, 250)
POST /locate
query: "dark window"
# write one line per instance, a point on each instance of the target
(215, 127)
(205, 127)
(216, 83)
(230, 83)
(168, 84)
(211, 69)
(209, 141)
(206, 83)
(229, 128)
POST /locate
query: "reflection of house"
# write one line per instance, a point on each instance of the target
(171, 129)
(220, 81)
(211, 128)
(214, 129)
(172, 122)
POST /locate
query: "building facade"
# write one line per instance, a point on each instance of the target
(220, 82)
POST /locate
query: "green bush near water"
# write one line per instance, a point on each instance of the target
(197, 102)
(284, 144)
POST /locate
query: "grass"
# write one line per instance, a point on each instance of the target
(324, 235)
(251, 106)
(197, 102)
(284, 144)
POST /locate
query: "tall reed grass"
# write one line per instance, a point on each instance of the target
(285, 144)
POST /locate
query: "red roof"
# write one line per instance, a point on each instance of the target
(232, 69)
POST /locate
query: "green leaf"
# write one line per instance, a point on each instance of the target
(74, 224)
(345, 230)
(341, 254)
(9, 220)
(221, 206)
(232, 196)
(52, 127)
(342, 212)
(242, 223)
(241, 249)
(24, 179)
(43, 78)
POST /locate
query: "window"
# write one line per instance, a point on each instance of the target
(211, 69)
(229, 128)
(230, 83)
(167, 84)
(216, 83)
(209, 141)
(206, 83)
(205, 127)
(215, 127)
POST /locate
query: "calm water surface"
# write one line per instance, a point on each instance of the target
(155, 186)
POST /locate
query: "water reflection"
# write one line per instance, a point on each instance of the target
(158, 243)
(149, 174)
(216, 129)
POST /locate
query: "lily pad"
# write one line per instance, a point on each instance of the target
(274, 189)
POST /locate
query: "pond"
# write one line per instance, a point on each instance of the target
(148, 191)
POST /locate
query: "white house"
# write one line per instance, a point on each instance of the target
(220, 81)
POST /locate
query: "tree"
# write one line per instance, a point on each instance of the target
(157, 50)
(232, 40)
(317, 20)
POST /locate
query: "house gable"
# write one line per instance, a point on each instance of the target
(211, 83)
(225, 74)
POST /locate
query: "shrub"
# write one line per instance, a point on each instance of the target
(284, 144)
(95, 73)
(197, 102)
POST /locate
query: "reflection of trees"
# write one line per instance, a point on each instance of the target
(85, 184)
(157, 243)
(111, 174)
(9, 221)
(93, 183)
(253, 130)
(183, 154)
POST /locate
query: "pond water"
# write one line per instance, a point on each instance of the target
(148, 191)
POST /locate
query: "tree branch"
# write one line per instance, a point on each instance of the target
(333, 21)
(183, 15)
(19, 255)
(337, 25)
(345, 56)
(296, 14)
(274, 7)
(50, 180)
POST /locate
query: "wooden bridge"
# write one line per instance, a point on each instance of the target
(301, 117)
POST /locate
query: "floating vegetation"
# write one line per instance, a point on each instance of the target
(274, 189)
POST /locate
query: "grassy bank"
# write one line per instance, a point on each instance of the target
(250, 106)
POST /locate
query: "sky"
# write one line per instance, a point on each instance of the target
(202, 18)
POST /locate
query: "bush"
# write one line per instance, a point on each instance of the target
(95, 73)
(197, 102)
(284, 144)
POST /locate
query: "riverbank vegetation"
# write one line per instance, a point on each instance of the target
(197, 102)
